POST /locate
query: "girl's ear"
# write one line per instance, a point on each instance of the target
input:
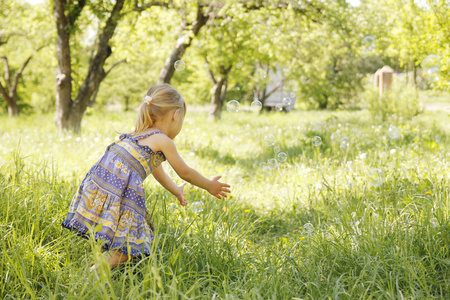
(176, 114)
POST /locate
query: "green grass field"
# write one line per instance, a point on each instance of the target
(314, 227)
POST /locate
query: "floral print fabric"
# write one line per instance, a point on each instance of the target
(112, 194)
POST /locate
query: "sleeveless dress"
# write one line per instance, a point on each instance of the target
(112, 194)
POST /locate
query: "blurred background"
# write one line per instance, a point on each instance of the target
(74, 58)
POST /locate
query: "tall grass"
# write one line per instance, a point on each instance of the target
(366, 242)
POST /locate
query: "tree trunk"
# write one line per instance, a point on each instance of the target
(64, 69)
(127, 103)
(323, 104)
(11, 100)
(415, 75)
(11, 95)
(69, 113)
(183, 42)
(13, 110)
(407, 71)
(217, 99)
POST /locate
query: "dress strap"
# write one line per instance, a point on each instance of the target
(145, 135)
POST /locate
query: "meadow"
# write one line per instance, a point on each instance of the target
(316, 226)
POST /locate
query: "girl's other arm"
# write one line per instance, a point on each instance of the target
(168, 184)
(213, 186)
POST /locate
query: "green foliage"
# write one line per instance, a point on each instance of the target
(389, 241)
(318, 45)
(24, 28)
(400, 101)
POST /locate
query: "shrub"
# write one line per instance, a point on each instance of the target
(402, 101)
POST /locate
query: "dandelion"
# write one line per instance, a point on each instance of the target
(428, 193)
(301, 238)
(247, 210)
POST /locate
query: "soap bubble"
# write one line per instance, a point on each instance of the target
(286, 101)
(394, 133)
(317, 141)
(431, 64)
(369, 43)
(256, 105)
(434, 222)
(263, 165)
(292, 94)
(238, 88)
(266, 171)
(272, 163)
(276, 149)
(308, 227)
(172, 207)
(269, 140)
(279, 107)
(197, 207)
(179, 65)
(239, 65)
(281, 157)
(344, 143)
(375, 177)
(437, 139)
(233, 106)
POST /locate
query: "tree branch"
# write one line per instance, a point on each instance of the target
(4, 93)
(210, 73)
(7, 72)
(5, 37)
(24, 65)
(139, 9)
(274, 90)
(75, 12)
(114, 65)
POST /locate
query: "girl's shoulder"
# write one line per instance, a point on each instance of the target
(155, 139)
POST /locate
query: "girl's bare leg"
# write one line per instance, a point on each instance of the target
(115, 257)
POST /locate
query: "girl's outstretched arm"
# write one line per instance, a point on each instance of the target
(213, 186)
(168, 184)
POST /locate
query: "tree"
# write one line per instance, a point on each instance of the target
(67, 14)
(237, 43)
(327, 66)
(10, 92)
(19, 43)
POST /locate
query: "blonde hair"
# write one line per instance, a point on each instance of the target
(164, 98)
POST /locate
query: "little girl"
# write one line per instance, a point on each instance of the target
(112, 193)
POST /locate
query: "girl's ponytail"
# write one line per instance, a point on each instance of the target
(159, 100)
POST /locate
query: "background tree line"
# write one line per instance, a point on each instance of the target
(67, 56)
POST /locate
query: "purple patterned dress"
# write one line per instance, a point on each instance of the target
(112, 194)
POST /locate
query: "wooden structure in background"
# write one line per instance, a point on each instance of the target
(383, 79)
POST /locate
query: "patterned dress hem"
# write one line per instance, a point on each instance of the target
(82, 231)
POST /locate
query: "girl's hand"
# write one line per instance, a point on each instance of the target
(218, 189)
(180, 194)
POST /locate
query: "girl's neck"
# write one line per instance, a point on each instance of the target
(160, 126)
